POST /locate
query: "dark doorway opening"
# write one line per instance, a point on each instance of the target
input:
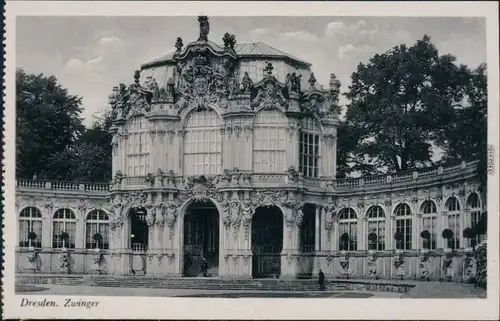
(267, 242)
(201, 239)
(139, 231)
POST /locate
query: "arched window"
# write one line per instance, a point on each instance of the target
(138, 148)
(376, 224)
(97, 222)
(309, 147)
(429, 223)
(202, 143)
(30, 220)
(64, 221)
(453, 207)
(403, 226)
(269, 142)
(348, 222)
(475, 214)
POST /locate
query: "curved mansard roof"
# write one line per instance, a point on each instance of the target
(243, 50)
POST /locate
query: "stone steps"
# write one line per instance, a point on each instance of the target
(215, 283)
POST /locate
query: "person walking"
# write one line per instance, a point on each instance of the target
(321, 280)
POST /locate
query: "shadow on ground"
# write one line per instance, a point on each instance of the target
(350, 295)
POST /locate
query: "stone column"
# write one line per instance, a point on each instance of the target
(317, 238)
(418, 228)
(290, 252)
(364, 233)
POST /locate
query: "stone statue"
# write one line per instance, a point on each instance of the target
(204, 28)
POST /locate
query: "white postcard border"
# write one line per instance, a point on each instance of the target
(192, 308)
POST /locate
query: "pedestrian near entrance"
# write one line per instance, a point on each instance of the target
(204, 266)
(321, 280)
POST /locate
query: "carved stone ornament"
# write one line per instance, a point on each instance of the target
(201, 188)
(205, 77)
(269, 93)
(269, 198)
(132, 101)
(330, 211)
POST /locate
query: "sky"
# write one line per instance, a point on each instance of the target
(90, 55)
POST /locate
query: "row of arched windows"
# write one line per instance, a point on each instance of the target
(376, 225)
(202, 147)
(63, 222)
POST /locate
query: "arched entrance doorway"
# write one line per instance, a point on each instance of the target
(138, 241)
(201, 239)
(267, 242)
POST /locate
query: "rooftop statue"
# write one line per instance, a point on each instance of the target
(204, 28)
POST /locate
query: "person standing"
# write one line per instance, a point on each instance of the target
(321, 280)
(204, 266)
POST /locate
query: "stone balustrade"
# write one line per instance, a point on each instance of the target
(27, 184)
(421, 176)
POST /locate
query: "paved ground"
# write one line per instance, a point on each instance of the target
(103, 291)
(421, 290)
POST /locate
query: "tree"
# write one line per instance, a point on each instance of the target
(399, 100)
(88, 159)
(47, 122)
(467, 137)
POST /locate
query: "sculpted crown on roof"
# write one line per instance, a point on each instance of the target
(208, 75)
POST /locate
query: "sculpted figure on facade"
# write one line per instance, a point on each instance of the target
(116, 210)
(399, 264)
(470, 268)
(158, 210)
(150, 214)
(171, 209)
(372, 265)
(247, 210)
(204, 28)
(330, 212)
(448, 267)
(425, 267)
(226, 213)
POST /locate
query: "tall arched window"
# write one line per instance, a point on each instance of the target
(97, 222)
(429, 223)
(453, 207)
(138, 147)
(202, 143)
(64, 221)
(376, 224)
(269, 142)
(475, 214)
(348, 222)
(403, 226)
(309, 147)
(30, 220)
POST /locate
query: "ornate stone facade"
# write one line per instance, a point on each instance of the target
(216, 133)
